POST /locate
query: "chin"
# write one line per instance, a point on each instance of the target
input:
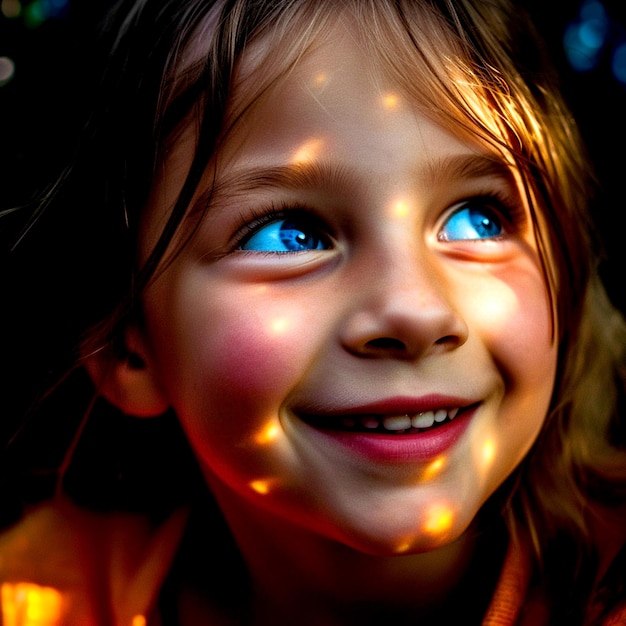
(409, 541)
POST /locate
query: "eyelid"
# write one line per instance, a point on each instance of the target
(254, 219)
(506, 205)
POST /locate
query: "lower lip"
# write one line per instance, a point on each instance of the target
(405, 448)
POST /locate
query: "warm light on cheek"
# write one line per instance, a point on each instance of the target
(139, 620)
(487, 454)
(278, 326)
(496, 305)
(268, 434)
(27, 604)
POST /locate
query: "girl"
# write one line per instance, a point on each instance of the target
(338, 255)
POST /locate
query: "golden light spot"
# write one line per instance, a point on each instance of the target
(320, 79)
(498, 303)
(139, 620)
(487, 453)
(279, 325)
(403, 547)
(27, 604)
(261, 485)
(439, 519)
(434, 468)
(308, 151)
(400, 208)
(268, 434)
(391, 101)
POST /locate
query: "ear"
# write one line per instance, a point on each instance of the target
(128, 380)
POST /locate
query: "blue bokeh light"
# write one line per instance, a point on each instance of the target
(618, 62)
(594, 37)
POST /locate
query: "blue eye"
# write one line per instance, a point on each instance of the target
(287, 235)
(471, 223)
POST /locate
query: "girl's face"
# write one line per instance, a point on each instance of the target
(358, 338)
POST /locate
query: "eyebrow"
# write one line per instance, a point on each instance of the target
(325, 173)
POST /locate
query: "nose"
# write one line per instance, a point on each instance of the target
(404, 310)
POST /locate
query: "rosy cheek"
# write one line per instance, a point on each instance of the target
(259, 354)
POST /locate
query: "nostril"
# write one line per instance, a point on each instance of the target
(385, 343)
(448, 340)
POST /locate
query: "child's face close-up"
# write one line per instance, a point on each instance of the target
(358, 338)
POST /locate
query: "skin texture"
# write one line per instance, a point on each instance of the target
(242, 343)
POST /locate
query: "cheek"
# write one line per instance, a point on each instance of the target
(260, 351)
(512, 314)
(228, 360)
(242, 348)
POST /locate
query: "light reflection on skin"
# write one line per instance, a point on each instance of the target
(400, 209)
(139, 620)
(307, 152)
(391, 101)
(27, 604)
(439, 519)
(499, 309)
(433, 469)
(268, 434)
(320, 79)
(487, 454)
(262, 485)
(279, 325)
(404, 547)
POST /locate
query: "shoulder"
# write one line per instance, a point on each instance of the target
(86, 566)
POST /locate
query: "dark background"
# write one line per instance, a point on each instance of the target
(41, 98)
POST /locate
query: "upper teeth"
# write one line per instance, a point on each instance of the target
(403, 422)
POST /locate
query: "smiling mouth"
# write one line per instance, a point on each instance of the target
(386, 424)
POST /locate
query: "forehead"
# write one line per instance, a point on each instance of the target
(374, 53)
(334, 99)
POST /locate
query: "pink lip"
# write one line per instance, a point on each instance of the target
(396, 406)
(419, 447)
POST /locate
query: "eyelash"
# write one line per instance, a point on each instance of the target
(506, 205)
(255, 218)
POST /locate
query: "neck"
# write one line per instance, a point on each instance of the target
(304, 578)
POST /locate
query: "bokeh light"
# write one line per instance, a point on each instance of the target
(27, 604)
(7, 70)
(618, 63)
(39, 11)
(595, 35)
(11, 8)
